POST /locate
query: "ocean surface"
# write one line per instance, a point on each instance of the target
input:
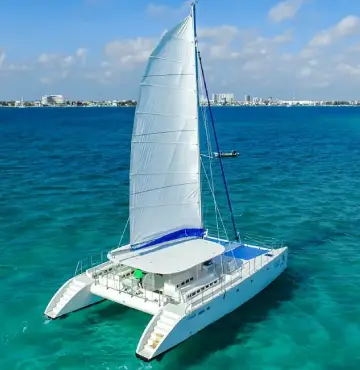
(64, 196)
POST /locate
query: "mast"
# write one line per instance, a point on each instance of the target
(193, 14)
(214, 130)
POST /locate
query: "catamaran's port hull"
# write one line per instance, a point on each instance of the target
(73, 296)
(220, 306)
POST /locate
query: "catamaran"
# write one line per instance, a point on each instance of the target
(173, 268)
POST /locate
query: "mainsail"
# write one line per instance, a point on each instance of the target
(165, 196)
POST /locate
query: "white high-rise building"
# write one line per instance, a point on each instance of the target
(223, 98)
(52, 99)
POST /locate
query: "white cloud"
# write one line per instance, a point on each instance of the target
(245, 54)
(351, 70)
(306, 71)
(313, 62)
(45, 80)
(58, 66)
(10, 67)
(218, 42)
(158, 9)
(284, 37)
(285, 10)
(52, 60)
(255, 60)
(63, 61)
(167, 10)
(82, 53)
(347, 26)
(241, 60)
(229, 43)
(129, 53)
(2, 58)
(221, 33)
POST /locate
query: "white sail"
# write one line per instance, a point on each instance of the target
(164, 170)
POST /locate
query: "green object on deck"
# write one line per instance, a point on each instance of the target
(138, 274)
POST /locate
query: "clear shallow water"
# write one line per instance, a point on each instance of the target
(64, 196)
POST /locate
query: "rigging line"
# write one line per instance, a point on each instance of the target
(217, 211)
(123, 233)
(218, 149)
(209, 149)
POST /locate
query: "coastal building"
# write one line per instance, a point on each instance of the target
(52, 99)
(223, 98)
(247, 99)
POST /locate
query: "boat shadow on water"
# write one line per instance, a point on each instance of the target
(236, 327)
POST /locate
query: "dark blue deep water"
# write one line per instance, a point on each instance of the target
(64, 196)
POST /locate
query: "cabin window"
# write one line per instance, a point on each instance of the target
(191, 279)
(187, 281)
(198, 291)
(207, 286)
(201, 312)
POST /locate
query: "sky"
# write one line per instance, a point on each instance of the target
(97, 49)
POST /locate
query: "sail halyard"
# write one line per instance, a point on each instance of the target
(164, 167)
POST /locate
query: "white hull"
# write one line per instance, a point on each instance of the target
(74, 295)
(211, 311)
(174, 320)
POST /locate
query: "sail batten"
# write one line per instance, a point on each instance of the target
(162, 114)
(164, 176)
(165, 87)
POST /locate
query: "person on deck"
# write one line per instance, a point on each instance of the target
(139, 275)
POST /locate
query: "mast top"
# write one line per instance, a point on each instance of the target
(192, 6)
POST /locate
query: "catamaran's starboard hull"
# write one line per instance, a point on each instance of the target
(220, 306)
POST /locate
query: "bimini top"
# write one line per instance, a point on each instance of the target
(170, 258)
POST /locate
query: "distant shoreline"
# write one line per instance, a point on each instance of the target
(203, 105)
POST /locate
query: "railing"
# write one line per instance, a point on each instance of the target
(261, 241)
(119, 283)
(90, 262)
(213, 232)
(226, 280)
(251, 239)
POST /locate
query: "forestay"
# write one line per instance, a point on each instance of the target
(164, 170)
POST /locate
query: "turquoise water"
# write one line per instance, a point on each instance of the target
(64, 196)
